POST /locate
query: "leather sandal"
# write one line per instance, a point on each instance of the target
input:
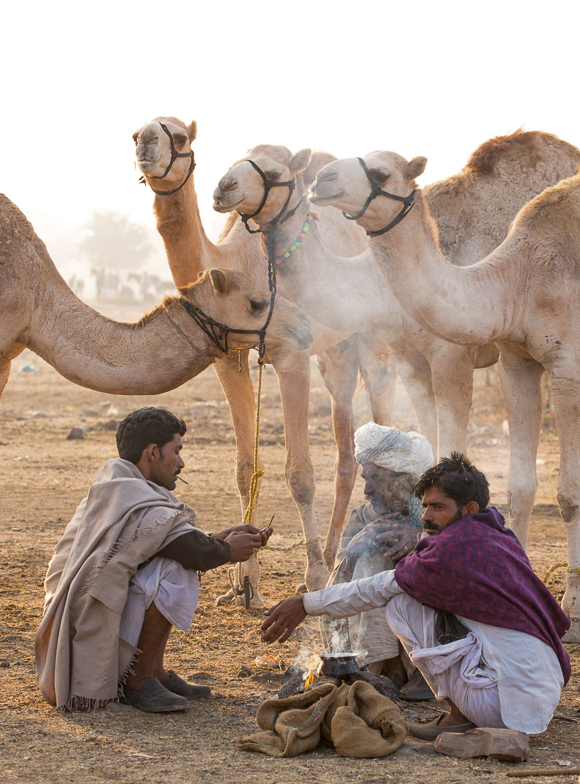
(153, 698)
(177, 685)
(432, 730)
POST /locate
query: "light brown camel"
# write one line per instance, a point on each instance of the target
(468, 199)
(523, 296)
(189, 251)
(163, 350)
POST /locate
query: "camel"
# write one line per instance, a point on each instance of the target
(523, 297)
(339, 359)
(421, 360)
(163, 350)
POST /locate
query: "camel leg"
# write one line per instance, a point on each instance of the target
(378, 371)
(415, 374)
(339, 370)
(293, 371)
(5, 362)
(452, 379)
(521, 383)
(239, 391)
(565, 384)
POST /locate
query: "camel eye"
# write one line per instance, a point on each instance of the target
(179, 139)
(257, 305)
(378, 176)
(273, 175)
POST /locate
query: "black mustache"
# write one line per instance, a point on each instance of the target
(432, 527)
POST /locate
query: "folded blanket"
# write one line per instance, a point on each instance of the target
(357, 720)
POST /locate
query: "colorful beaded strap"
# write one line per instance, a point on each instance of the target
(296, 244)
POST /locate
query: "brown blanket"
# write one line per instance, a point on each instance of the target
(123, 521)
(357, 720)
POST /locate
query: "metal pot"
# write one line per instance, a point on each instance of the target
(339, 665)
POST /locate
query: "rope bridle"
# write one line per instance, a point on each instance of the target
(376, 190)
(268, 185)
(174, 156)
(218, 333)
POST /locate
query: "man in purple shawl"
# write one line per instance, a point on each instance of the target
(472, 615)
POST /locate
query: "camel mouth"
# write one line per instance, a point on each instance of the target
(324, 201)
(220, 207)
(147, 166)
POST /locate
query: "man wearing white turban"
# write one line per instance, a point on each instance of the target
(378, 534)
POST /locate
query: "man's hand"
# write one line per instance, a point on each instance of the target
(265, 533)
(398, 542)
(243, 544)
(283, 619)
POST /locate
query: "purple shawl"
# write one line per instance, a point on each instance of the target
(477, 568)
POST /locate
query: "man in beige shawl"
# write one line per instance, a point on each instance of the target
(124, 572)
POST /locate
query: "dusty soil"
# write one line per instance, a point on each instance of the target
(45, 476)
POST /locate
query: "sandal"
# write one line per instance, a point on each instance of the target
(432, 730)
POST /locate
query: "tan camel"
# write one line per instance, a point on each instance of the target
(421, 359)
(158, 353)
(189, 251)
(523, 296)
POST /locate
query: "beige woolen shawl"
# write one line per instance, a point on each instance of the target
(123, 521)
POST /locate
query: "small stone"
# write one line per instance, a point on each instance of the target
(244, 672)
(4, 664)
(499, 744)
(75, 434)
(93, 736)
(112, 425)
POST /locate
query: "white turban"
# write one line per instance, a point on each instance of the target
(390, 448)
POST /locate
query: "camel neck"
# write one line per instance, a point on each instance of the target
(467, 305)
(148, 357)
(346, 294)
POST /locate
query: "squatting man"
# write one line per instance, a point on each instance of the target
(473, 617)
(124, 572)
(376, 537)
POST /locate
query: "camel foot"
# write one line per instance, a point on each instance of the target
(255, 601)
(226, 598)
(573, 633)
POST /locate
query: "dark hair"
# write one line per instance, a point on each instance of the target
(458, 478)
(147, 426)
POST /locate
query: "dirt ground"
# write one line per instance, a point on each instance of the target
(43, 479)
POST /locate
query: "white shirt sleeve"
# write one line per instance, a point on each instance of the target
(346, 599)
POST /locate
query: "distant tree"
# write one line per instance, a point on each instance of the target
(113, 241)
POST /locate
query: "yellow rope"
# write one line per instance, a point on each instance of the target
(563, 565)
(258, 472)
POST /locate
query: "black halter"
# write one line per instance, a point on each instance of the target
(174, 156)
(218, 333)
(268, 185)
(408, 203)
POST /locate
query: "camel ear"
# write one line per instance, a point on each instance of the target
(416, 167)
(218, 281)
(192, 131)
(300, 161)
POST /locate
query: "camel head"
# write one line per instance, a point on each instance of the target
(153, 152)
(243, 189)
(231, 297)
(346, 185)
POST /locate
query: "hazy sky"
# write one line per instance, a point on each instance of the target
(419, 78)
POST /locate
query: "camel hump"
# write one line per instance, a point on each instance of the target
(526, 148)
(13, 222)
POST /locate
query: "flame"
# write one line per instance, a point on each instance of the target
(311, 676)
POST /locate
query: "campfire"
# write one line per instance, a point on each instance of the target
(335, 668)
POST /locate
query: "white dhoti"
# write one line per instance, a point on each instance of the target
(369, 631)
(173, 589)
(457, 670)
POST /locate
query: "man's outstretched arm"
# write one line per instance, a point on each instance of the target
(283, 619)
(338, 601)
